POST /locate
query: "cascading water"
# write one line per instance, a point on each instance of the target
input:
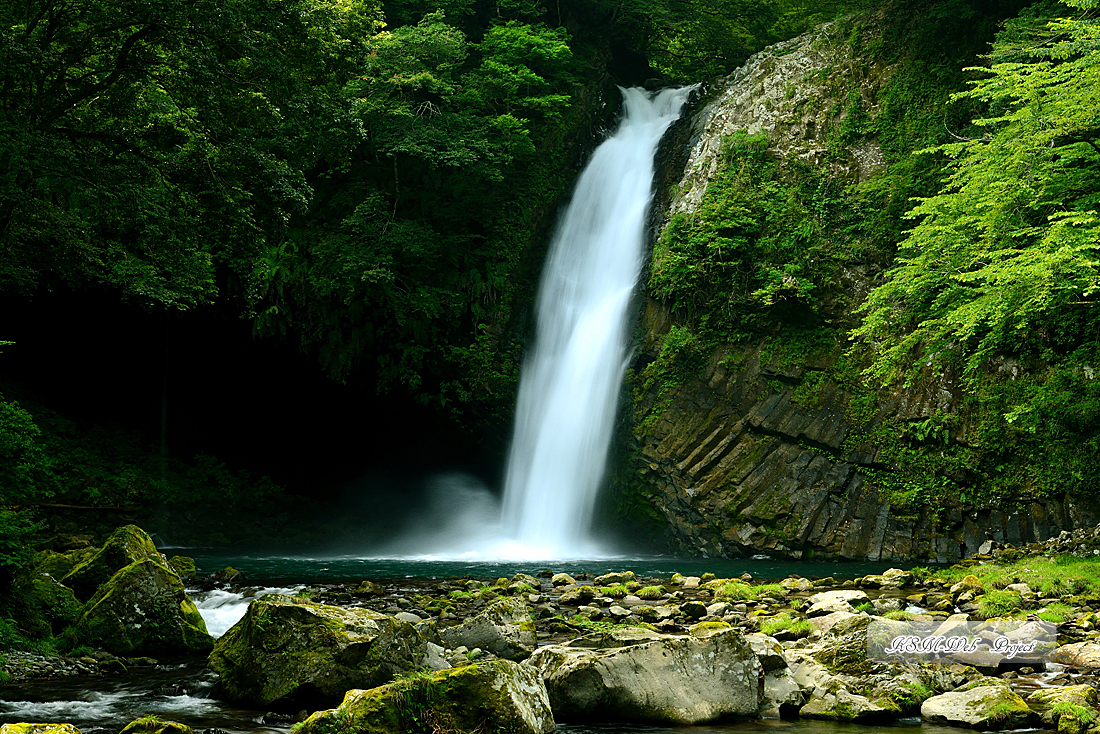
(570, 384)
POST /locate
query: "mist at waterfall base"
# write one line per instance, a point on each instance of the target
(572, 376)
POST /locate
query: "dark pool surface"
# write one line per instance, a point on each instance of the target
(278, 569)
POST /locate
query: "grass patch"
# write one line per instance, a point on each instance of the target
(999, 603)
(786, 623)
(910, 696)
(1047, 577)
(1057, 613)
(738, 591)
(1066, 708)
(615, 591)
(651, 592)
(899, 615)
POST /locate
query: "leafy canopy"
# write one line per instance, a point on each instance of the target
(1005, 258)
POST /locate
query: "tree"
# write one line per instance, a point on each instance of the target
(1005, 258)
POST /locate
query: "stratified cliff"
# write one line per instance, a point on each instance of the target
(766, 439)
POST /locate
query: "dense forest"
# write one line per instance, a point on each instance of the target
(308, 232)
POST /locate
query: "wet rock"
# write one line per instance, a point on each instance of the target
(845, 706)
(796, 584)
(693, 609)
(369, 588)
(829, 602)
(492, 696)
(986, 703)
(562, 579)
(681, 680)
(143, 609)
(505, 629)
(288, 650)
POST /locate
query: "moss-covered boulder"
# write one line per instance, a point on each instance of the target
(154, 725)
(846, 706)
(495, 696)
(126, 546)
(287, 651)
(986, 703)
(38, 729)
(676, 680)
(504, 629)
(143, 609)
(59, 565)
(183, 566)
(53, 601)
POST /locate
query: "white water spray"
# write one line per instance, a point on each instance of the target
(570, 384)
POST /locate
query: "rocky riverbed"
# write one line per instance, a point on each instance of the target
(615, 647)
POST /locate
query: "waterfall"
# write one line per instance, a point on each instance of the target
(569, 386)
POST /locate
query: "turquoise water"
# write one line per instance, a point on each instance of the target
(278, 569)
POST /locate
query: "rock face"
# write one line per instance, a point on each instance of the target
(504, 629)
(736, 460)
(677, 680)
(977, 706)
(288, 651)
(143, 609)
(493, 696)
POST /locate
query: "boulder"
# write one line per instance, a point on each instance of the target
(615, 637)
(1082, 695)
(781, 693)
(51, 600)
(893, 578)
(828, 602)
(24, 728)
(504, 629)
(767, 650)
(986, 703)
(494, 696)
(828, 621)
(562, 579)
(290, 651)
(126, 546)
(143, 610)
(845, 706)
(154, 725)
(677, 680)
(799, 584)
(622, 577)
(1077, 655)
(59, 565)
(183, 566)
(578, 595)
(369, 588)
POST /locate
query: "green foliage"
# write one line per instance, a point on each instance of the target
(16, 528)
(786, 623)
(998, 603)
(1085, 715)
(650, 592)
(756, 253)
(25, 466)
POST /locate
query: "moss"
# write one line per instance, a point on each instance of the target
(143, 609)
(154, 725)
(475, 697)
(183, 566)
(125, 546)
(651, 592)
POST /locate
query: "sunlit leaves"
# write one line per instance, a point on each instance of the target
(1012, 244)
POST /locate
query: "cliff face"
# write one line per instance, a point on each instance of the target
(761, 453)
